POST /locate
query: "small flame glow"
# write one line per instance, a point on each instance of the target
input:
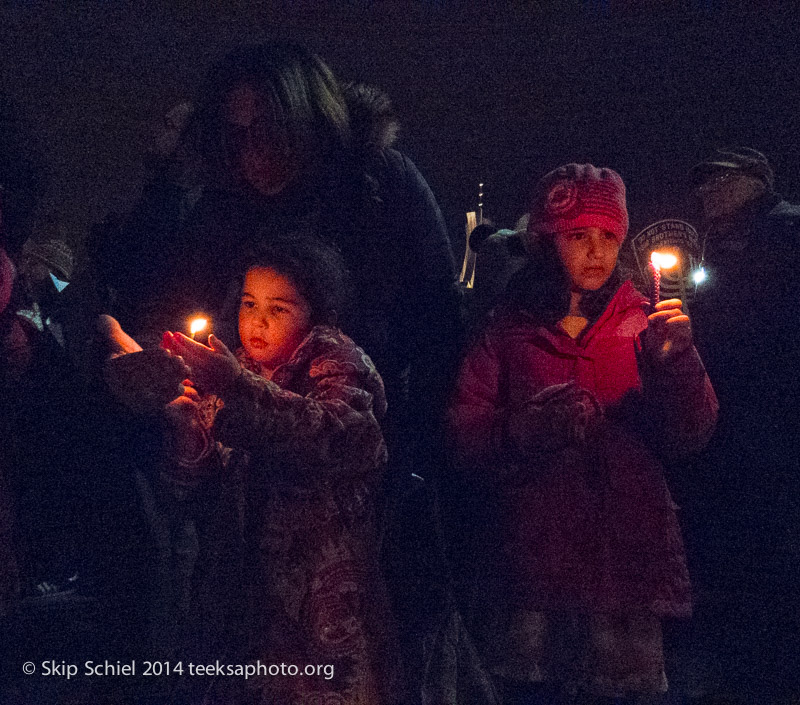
(699, 275)
(663, 260)
(196, 325)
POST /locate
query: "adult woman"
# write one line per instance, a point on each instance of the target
(282, 148)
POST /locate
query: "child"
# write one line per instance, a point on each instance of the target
(302, 455)
(563, 406)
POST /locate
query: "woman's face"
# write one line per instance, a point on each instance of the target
(589, 256)
(274, 318)
(256, 143)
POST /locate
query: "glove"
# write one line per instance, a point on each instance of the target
(146, 381)
(559, 416)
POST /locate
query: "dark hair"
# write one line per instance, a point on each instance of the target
(315, 268)
(301, 87)
(542, 287)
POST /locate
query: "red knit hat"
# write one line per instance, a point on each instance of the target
(579, 196)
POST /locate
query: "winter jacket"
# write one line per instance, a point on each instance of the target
(747, 480)
(746, 325)
(291, 526)
(589, 526)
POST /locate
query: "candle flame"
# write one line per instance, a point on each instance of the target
(663, 260)
(196, 325)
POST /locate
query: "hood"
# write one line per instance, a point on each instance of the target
(373, 122)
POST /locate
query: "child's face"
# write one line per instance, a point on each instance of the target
(589, 256)
(273, 317)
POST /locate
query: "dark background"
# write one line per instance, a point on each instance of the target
(497, 92)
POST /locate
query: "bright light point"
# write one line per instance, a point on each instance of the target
(699, 276)
(663, 260)
(197, 325)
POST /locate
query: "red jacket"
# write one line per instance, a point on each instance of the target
(588, 527)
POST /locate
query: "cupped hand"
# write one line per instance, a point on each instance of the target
(213, 367)
(143, 380)
(147, 380)
(669, 332)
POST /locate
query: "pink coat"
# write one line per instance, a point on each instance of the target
(589, 527)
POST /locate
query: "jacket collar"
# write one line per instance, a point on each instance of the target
(626, 298)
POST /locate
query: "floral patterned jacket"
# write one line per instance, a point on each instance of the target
(289, 535)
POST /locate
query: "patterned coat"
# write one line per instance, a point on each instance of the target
(591, 526)
(292, 518)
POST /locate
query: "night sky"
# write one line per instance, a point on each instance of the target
(497, 95)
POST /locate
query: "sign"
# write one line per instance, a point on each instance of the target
(675, 237)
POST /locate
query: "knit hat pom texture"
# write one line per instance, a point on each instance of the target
(579, 196)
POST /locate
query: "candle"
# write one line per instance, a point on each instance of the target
(196, 325)
(659, 261)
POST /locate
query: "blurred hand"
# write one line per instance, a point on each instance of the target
(669, 332)
(146, 381)
(213, 367)
(182, 411)
(142, 380)
(118, 341)
(559, 415)
(190, 440)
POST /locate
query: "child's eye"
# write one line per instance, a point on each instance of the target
(248, 304)
(609, 236)
(278, 310)
(578, 235)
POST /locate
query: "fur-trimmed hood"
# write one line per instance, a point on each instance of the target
(373, 122)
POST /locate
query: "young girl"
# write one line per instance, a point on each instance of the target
(564, 405)
(291, 518)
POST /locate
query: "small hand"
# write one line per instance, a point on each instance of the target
(213, 367)
(186, 431)
(189, 391)
(559, 415)
(183, 409)
(669, 331)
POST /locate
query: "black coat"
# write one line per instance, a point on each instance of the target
(741, 494)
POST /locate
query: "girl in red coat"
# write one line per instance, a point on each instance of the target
(565, 404)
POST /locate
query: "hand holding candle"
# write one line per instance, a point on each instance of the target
(669, 331)
(659, 261)
(213, 367)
